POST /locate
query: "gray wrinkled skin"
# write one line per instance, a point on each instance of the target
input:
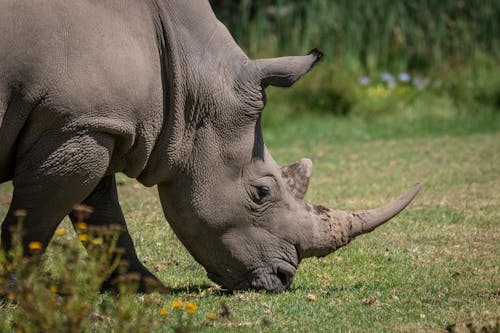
(158, 90)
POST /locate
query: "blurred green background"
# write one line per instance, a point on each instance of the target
(383, 57)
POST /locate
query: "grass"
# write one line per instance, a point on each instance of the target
(435, 265)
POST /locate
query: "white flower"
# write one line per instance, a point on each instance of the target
(404, 77)
(389, 79)
(364, 80)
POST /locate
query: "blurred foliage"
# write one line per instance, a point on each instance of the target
(374, 35)
(475, 88)
(442, 47)
(59, 291)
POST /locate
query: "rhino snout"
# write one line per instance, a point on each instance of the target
(286, 273)
(273, 279)
(278, 280)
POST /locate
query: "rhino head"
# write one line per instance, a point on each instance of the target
(239, 214)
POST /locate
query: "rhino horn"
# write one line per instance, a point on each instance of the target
(284, 71)
(334, 229)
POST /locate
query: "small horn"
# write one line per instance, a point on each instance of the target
(297, 176)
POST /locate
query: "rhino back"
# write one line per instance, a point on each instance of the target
(79, 65)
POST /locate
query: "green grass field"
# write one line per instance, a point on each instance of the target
(435, 265)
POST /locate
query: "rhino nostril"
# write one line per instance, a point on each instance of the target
(285, 274)
(283, 278)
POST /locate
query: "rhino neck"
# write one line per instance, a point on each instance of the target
(195, 51)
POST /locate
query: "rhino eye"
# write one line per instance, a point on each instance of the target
(261, 192)
(262, 189)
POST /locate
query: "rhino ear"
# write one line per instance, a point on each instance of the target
(296, 176)
(284, 71)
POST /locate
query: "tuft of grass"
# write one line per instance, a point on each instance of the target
(56, 294)
(59, 291)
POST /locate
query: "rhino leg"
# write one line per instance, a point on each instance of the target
(107, 211)
(49, 178)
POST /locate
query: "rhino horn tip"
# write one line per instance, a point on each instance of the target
(368, 220)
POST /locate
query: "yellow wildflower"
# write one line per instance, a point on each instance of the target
(177, 304)
(35, 246)
(53, 288)
(190, 308)
(60, 232)
(11, 296)
(378, 91)
(81, 225)
(163, 312)
(211, 316)
(83, 237)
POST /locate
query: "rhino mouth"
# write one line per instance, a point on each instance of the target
(279, 279)
(275, 279)
(285, 273)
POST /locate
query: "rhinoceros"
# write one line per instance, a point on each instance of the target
(160, 91)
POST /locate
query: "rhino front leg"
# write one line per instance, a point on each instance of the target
(50, 177)
(107, 211)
